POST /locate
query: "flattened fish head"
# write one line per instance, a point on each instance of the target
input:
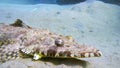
(65, 47)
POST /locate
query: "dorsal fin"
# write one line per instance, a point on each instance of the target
(19, 23)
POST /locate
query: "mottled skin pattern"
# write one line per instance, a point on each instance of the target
(16, 42)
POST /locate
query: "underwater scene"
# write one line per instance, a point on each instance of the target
(59, 33)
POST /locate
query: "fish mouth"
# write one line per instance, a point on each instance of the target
(67, 54)
(98, 53)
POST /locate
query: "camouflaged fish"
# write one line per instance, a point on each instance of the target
(19, 40)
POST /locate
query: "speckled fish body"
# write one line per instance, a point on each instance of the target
(16, 42)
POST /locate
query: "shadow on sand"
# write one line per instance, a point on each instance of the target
(68, 62)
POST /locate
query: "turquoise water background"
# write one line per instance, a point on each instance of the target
(27, 1)
(61, 2)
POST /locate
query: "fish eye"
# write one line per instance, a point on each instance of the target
(59, 42)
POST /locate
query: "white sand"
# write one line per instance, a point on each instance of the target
(96, 24)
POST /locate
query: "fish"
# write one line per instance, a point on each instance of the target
(19, 40)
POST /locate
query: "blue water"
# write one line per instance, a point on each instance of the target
(60, 2)
(27, 1)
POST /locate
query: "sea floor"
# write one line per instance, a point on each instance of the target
(94, 24)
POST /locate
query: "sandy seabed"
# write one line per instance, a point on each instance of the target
(96, 24)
